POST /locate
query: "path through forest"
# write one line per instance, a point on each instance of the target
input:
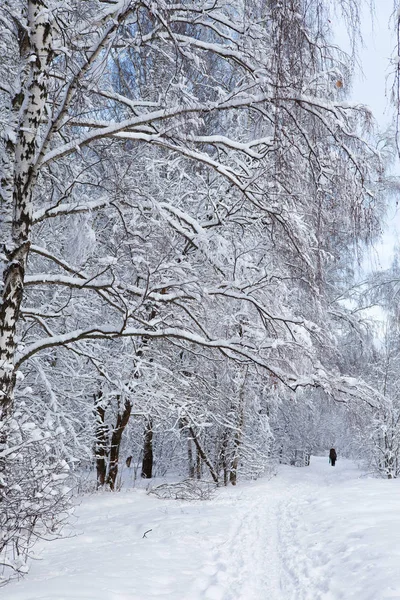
(316, 533)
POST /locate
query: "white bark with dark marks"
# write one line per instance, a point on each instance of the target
(34, 94)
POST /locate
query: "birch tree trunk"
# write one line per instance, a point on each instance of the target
(101, 440)
(28, 105)
(237, 440)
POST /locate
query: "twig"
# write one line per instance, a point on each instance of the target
(148, 531)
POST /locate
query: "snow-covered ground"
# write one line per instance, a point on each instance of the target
(316, 533)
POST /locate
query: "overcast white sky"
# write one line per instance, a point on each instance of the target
(373, 89)
(378, 44)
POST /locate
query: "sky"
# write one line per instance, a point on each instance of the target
(373, 87)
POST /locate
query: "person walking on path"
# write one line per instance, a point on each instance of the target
(332, 456)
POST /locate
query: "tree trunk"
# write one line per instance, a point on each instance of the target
(101, 441)
(122, 421)
(198, 464)
(28, 108)
(191, 466)
(223, 455)
(190, 458)
(235, 461)
(202, 455)
(237, 440)
(147, 463)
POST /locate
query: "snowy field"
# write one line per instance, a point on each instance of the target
(307, 534)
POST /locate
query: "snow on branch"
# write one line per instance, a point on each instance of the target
(72, 208)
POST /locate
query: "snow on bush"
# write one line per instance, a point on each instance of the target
(33, 493)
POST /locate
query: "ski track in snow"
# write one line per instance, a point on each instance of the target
(315, 533)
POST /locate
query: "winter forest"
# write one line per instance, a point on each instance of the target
(187, 195)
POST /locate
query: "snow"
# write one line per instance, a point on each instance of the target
(313, 533)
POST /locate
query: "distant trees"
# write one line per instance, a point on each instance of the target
(178, 182)
(381, 432)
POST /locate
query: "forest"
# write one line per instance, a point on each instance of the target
(186, 197)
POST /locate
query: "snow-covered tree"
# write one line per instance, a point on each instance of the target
(171, 175)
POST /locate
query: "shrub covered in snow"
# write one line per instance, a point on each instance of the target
(33, 492)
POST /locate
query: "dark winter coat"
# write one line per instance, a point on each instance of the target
(332, 454)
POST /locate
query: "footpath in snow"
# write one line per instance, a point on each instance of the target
(315, 533)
